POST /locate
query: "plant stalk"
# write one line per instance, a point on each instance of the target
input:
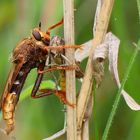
(70, 75)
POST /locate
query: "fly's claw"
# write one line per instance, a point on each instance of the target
(8, 111)
(40, 71)
(62, 96)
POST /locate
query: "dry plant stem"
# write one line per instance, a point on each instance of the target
(85, 129)
(101, 29)
(70, 75)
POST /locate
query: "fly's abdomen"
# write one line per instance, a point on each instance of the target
(12, 97)
(62, 81)
(8, 111)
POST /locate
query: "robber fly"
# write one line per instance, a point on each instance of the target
(30, 53)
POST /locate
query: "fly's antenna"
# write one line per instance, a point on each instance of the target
(39, 25)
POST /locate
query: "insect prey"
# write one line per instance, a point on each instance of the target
(57, 61)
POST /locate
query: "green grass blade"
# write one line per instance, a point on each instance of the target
(118, 96)
(138, 5)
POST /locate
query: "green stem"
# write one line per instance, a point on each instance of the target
(118, 96)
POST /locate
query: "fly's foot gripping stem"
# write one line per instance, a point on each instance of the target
(62, 96)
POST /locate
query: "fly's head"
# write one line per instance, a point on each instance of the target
(42, 38)
(32, 48)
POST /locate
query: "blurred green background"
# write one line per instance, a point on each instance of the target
(37, 119)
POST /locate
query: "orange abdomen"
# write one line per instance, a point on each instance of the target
(8, 111)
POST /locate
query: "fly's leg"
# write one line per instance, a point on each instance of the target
(43, 92)
(46, 48)
(59, 93)
(53, 26)
(46, 92)
(57, 67)
(37, 84)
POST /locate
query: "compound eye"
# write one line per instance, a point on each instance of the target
(36, 35)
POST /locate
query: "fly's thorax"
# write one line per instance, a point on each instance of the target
(29, 50)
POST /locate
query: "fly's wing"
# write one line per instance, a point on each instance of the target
(11, 78)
